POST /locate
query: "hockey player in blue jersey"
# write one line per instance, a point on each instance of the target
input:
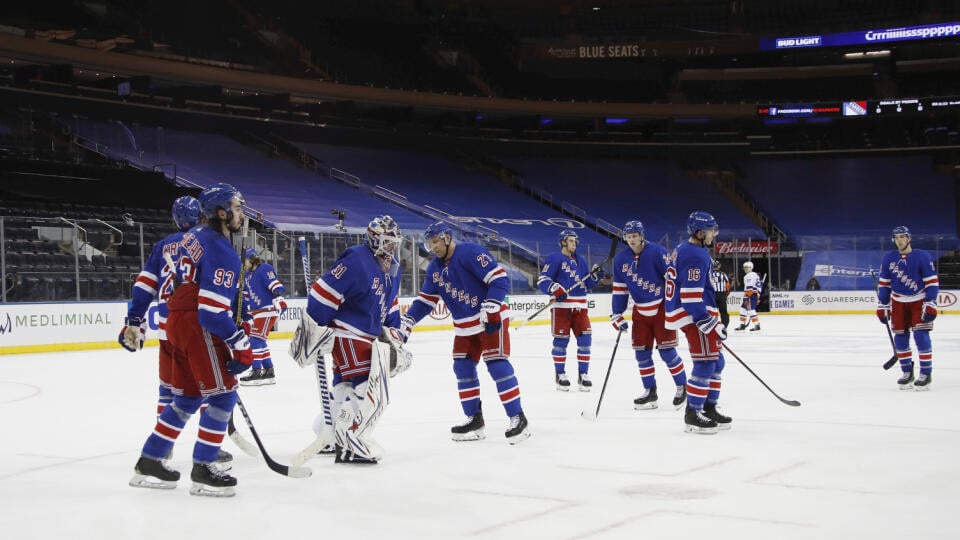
(473, 286)
(156, 281)
(639, 271)
(209, 347)
(263, 298)
(907, 294)
(357, 298)
(691, 308)
(569, 315)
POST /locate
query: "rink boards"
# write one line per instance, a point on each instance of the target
(44, 327)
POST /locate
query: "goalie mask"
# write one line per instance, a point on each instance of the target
(185, 212)
(383, 236)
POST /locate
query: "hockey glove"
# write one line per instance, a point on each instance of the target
(929, 311)
(618, 322)
(490, 315)
(133, 334)
(712, 325)
(596, 273)
(558, 292)
(406, 326)
(883, 313)
(280, 304)
(239, 345)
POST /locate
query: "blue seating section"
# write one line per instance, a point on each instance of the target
(656, 192)
(429, 179)
(286, 195)
(861, 195)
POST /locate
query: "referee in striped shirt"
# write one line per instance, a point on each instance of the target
(721, 284)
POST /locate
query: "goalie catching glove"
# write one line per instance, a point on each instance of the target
(133, 334)
(400, 358)
(239, 344)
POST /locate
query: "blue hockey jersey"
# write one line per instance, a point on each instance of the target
(208, 259)
(260, 287)
(566, 270)
(356, 297)
(688, 291)
(155, 281)
(908, 277)
(470, 276)
(642, 277)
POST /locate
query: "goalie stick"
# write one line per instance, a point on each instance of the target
(244, 445)
(326, 434)
(886, 324)
(596, 267)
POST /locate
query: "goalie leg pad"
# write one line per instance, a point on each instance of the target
(361, 410)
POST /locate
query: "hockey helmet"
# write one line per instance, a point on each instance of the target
(748, 266)
(633, 226)
(436, 229)
(383, 236)
(901, 229)
(567, 233)
(218, 196)
(249, 253)
(700, 221)
(716, 264)
(185, 212)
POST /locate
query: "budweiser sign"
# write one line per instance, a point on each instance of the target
(746, 248)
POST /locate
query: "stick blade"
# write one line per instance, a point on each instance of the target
(299, 472)
(791, 402)
(589, 415)
(889, 363)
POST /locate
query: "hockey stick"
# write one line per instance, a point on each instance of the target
(886, 324)
(593, 415)
(790, 402)
(295, 472)
(326, 435)
(244, 445)
(291, 471)
(596, 267)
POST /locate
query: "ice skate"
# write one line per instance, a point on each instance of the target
(154, 474)
(328, 449)
(646, 401)
(254, 378)
(922, 384)
(224, 460)
(756, 328)
(906, 380)
(352, 458)
(585, 383)
(711, 412)
(471, 430)
(210, 481)
(268, 377)
(563, 383)
(741, 328)
(680, 397)
(518, 429)
(697, 422)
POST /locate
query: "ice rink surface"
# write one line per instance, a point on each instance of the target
(858, 459)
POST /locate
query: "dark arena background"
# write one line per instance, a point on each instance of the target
(808, 128)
